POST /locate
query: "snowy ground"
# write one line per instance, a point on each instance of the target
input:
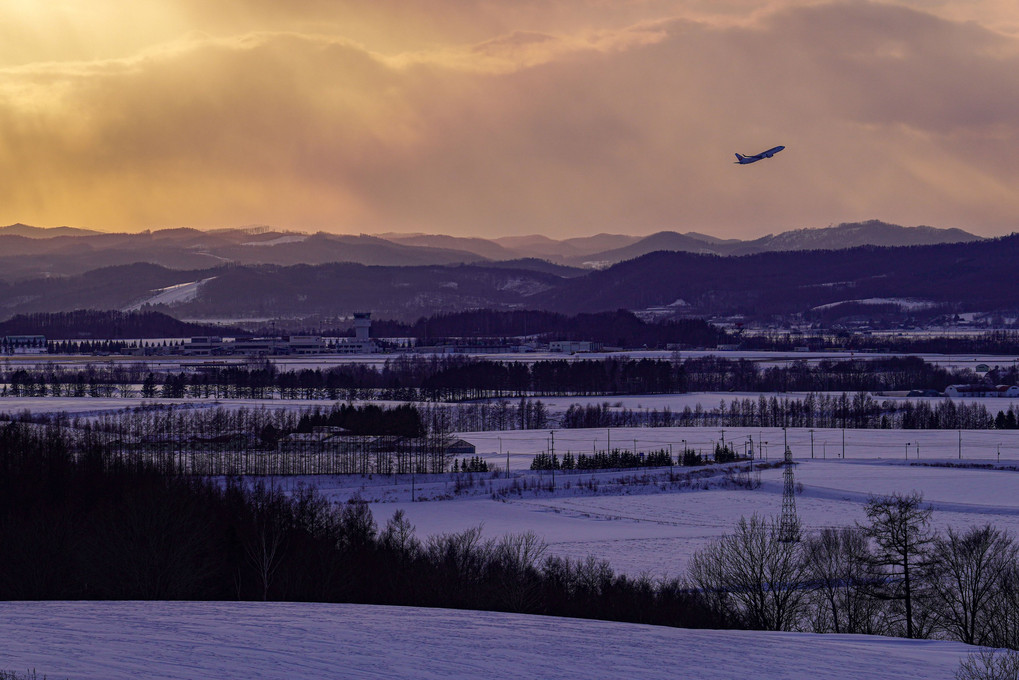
(171, 295)
(256, 641)
(646, 525)
(646, 522)
(654, 526)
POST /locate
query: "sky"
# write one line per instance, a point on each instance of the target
(490, 118)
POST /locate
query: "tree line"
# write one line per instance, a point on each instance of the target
(461, 378)
(345, 439)
(107, 325)
(859, 410)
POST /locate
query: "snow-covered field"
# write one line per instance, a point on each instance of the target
(643, 523)
(653, 527)
(922, 445)
(256, 641)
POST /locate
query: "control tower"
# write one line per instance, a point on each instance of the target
(362, 326)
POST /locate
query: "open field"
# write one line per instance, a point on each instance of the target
(646, 521)
(254, 641)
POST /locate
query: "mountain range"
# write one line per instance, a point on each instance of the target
(866, 281)
(28, 252)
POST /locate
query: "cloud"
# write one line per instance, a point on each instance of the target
(495, 118)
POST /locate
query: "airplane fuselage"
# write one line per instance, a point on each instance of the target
(745, 160)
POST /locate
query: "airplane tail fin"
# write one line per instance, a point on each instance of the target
(740, 158)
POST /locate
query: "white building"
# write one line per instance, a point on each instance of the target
(981, 390)
(572, 346)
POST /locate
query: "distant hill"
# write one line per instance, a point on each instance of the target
(68, 254)
(484, 248)
(853, 235)
(663, 240)
(261, 291)
(972, 276)
(572, 250)
(28, 231)
(847, 235)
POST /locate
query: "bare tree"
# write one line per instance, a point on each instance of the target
(517, 556)
(265, 543)
(899, 526)
(989, 664)
(967, 574)
(753, 575)
(838, 561)
(398, 536)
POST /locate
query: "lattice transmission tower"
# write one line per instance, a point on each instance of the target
(789, 526)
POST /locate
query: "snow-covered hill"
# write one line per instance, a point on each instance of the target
(254, 641)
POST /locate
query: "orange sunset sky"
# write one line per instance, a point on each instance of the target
(492, 118)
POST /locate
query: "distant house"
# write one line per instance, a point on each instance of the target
(459, 447)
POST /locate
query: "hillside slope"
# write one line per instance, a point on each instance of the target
(255, 641)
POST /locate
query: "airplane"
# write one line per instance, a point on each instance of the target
(744, 160)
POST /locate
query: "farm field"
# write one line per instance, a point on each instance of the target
(255, 641)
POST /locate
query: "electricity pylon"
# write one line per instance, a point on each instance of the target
(789, 526)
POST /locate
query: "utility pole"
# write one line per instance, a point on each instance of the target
(843, 442)
(960, 443)
(811, 443)
(552, 432)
